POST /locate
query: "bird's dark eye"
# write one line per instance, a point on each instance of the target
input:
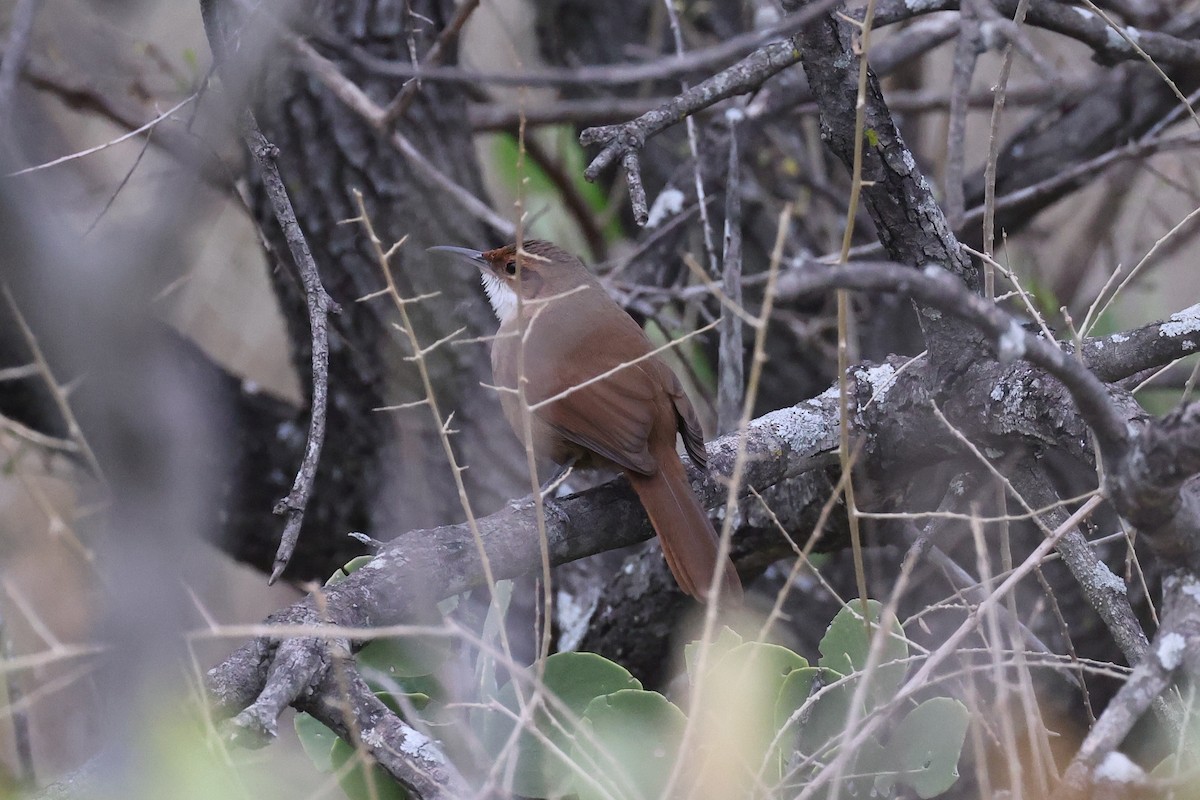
(511, 268)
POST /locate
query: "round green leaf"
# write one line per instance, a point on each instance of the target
(793, 693)
(924, 748)
(343, 572)
(825, 721)
(726, 640)
(628, 744)
(743, 688)
(405, 656)
(396, 702)
(845, 648)
(575, 679)
(316, 739)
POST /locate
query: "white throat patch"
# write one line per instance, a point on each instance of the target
(500, 295)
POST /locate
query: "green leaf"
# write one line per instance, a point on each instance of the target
(628, 744)
(540, 193)
(923, 750)
(487, 687)
(363, 781)
(406, 656)
(845, 647)
(862, 780)
(575, 679)
(825, 722)
(759, 662)
(317, 741)
(743, 689)
(343, 572)
(794, 693)
(396, 702)
(485, 669)
(726, 640)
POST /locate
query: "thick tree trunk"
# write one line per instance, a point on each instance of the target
(380, 466)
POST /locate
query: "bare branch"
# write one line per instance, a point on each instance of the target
(437, 53)
(592, 75)
(1077, 23)
(1176, 648)
(731, 381)
(1152, 492)
(320, 306)
(356, 100)
(123, 137)
(351, 710)
(744, 76)
(1120, 355)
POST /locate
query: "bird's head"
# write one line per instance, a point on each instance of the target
(535, 270)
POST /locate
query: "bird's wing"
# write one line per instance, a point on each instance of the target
(611, 416)
(687, 422)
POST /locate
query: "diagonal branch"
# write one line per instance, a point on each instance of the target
(1176, 650)
(625, 140)
(1068, 20)
(936, 288)
(439, 562)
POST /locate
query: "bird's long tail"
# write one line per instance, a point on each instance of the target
(688, 539)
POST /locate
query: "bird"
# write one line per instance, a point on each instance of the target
(598, 396)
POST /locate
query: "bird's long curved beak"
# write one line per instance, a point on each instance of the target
(474, 256)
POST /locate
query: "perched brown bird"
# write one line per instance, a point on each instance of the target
(627, 420)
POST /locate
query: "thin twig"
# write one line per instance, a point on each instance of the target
(1091, 320)
(22, 742)
(435, 55)
(123, 137)
(591, 76)
(570, 390)
(357, 101)
(922, 677)
(1094, 577)
(966, 53)
(36, 437)
(430, 400)
(320, 306)
(989, 172)
(56, 390)
(112, 197)
(731, 369)
(693, 147)
(843, 315)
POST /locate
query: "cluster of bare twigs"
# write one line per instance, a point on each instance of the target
(1002, 440)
